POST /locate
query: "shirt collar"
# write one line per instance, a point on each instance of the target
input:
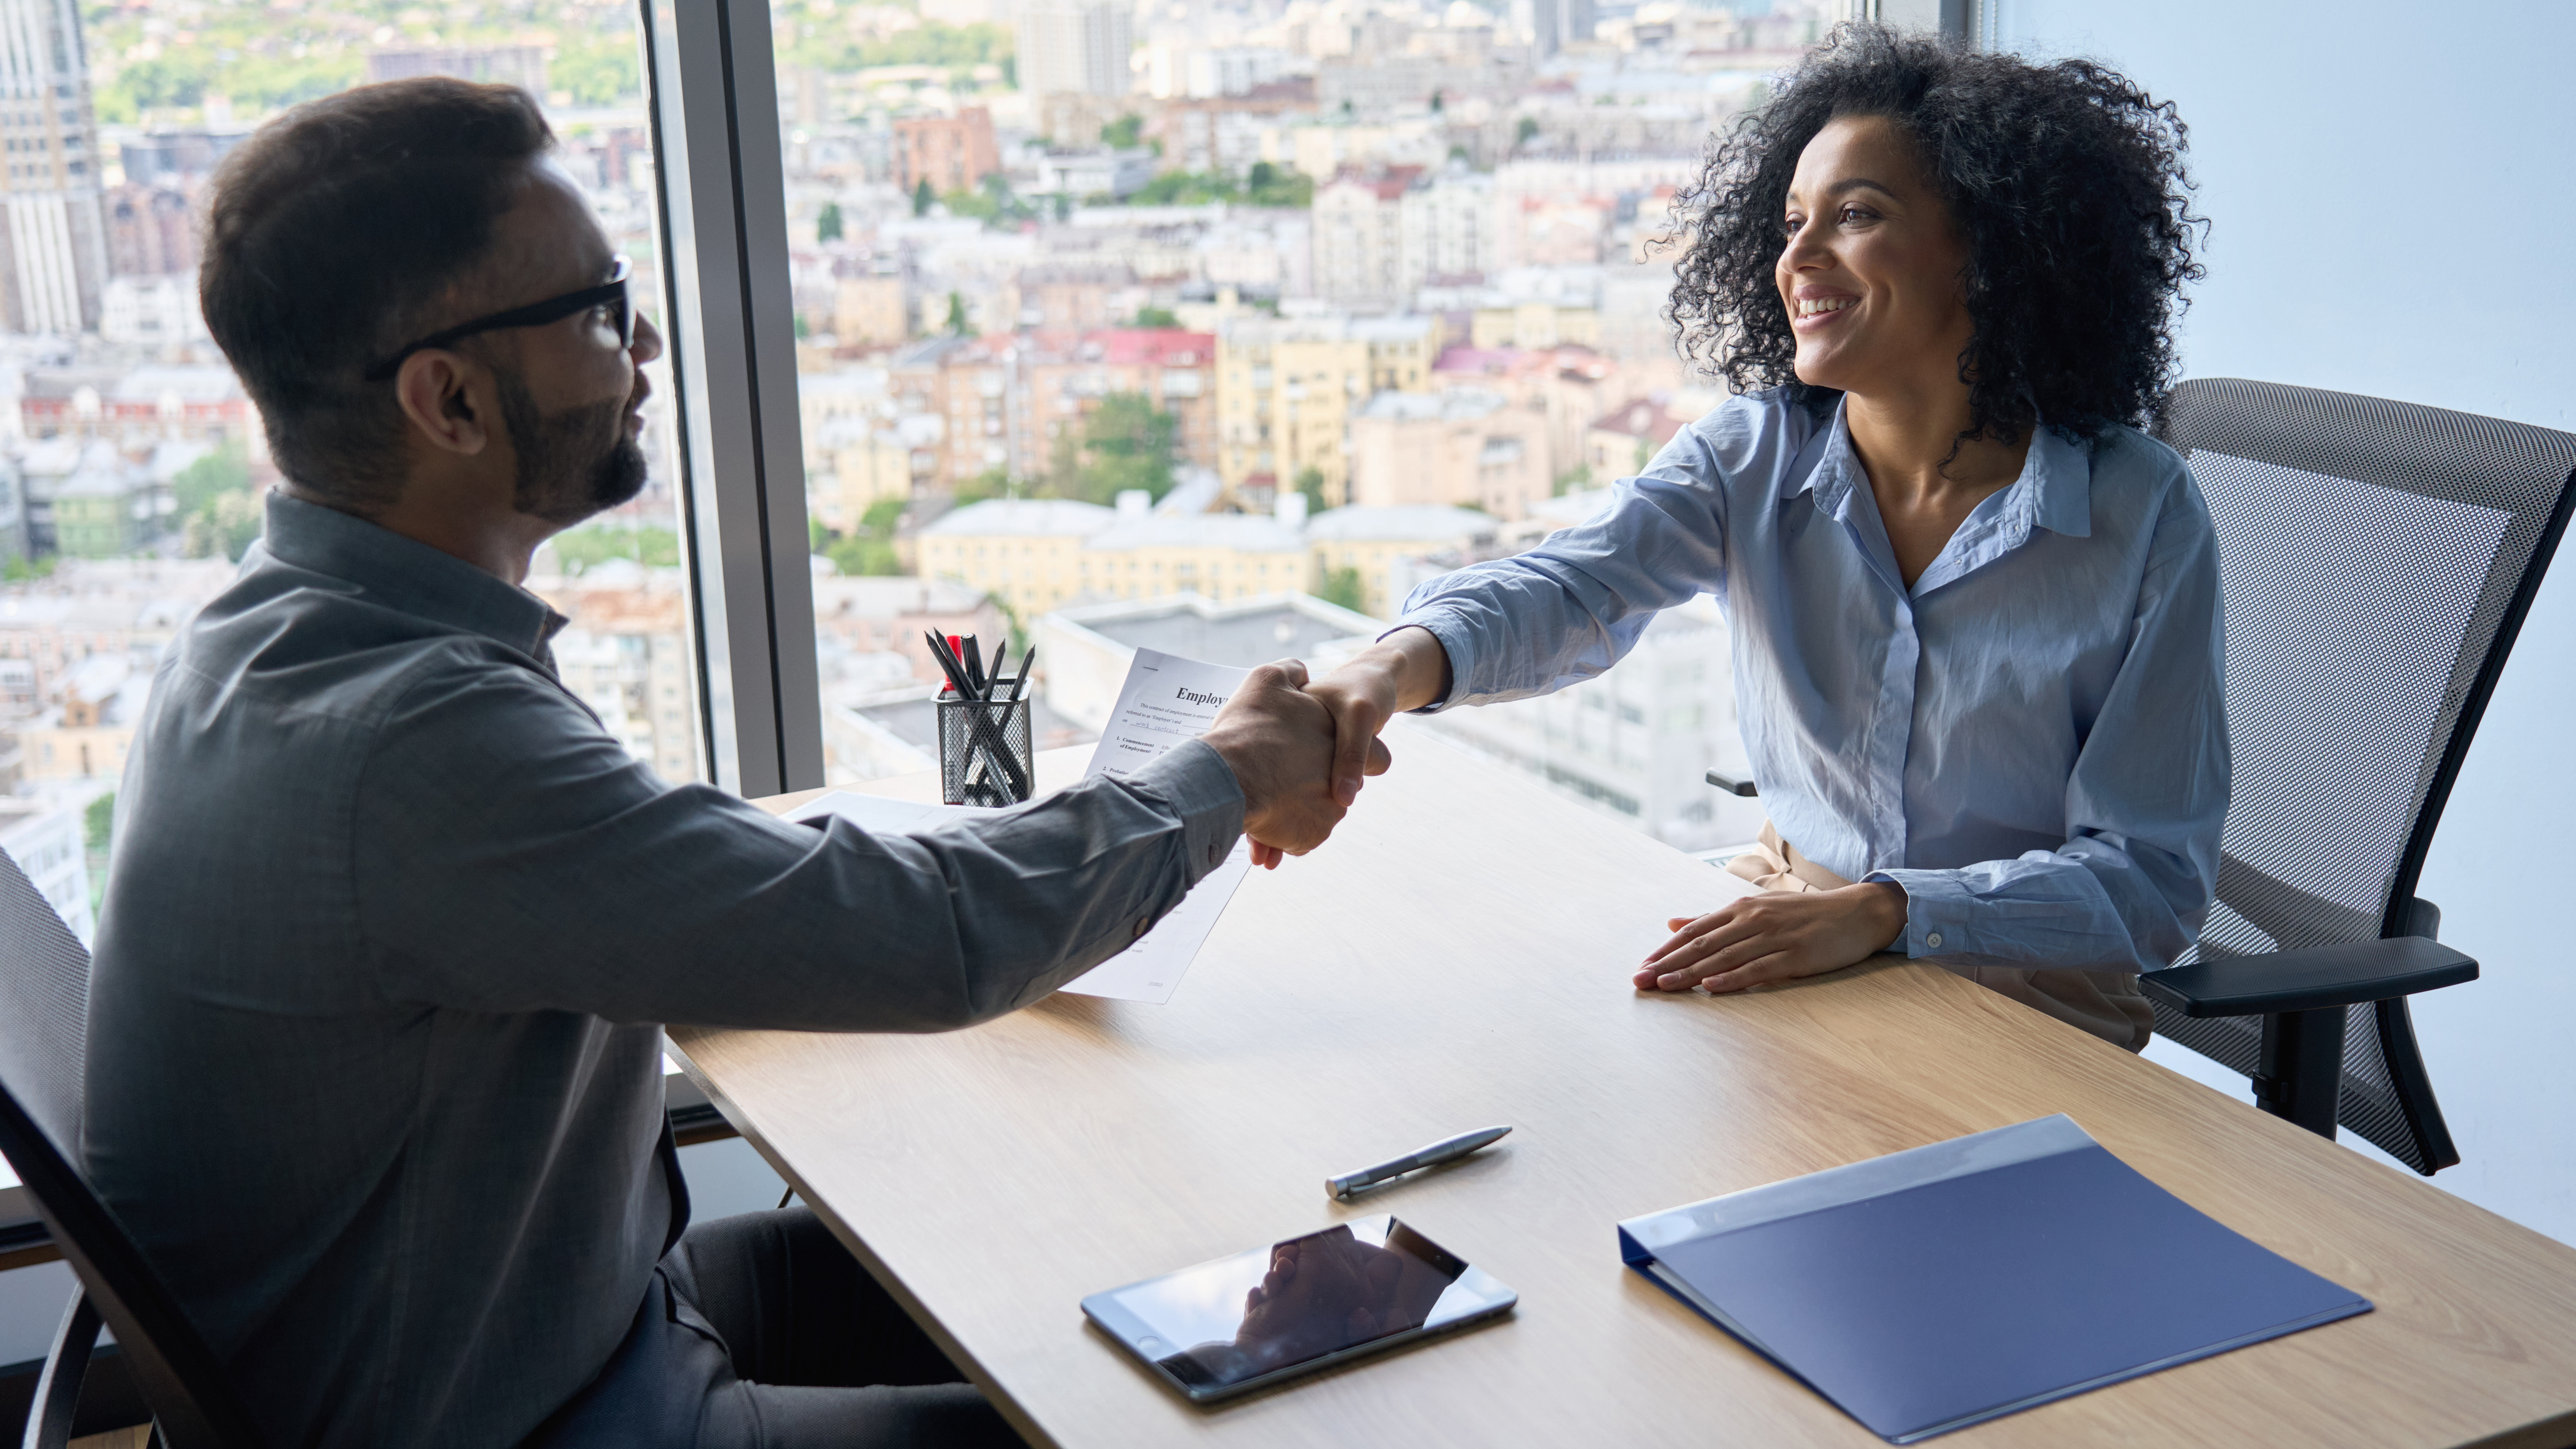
(2054, 491)
(407, 575)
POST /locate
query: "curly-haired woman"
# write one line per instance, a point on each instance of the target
(1974, 610)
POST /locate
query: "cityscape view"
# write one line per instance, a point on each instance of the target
(1118, 323)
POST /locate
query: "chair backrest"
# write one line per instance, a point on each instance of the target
(2377, 560)
(44, 1016)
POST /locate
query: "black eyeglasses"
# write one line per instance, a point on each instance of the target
(611, 294)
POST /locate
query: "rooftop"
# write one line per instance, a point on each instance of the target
(1242, 532)
(1241, 633)
(1456, 405)
(1022, 518)
(1399, 523)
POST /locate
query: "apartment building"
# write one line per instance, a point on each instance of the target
(1359, 236)
(1063, 376)
(1286, 389)
(1634, 744)
(1075, 47)
(1227, 132)
(952, 153)
(1145, 555)
(1464, 447)
(1623, 440)
(965, 383)
(1025, 552)
(1392, 549)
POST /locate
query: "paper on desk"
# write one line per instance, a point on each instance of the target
(1166, 700)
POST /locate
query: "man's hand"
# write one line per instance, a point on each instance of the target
(1775, 936)
(1279, 741)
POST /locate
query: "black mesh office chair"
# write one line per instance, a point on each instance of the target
(44, 1010)
(2377, 559)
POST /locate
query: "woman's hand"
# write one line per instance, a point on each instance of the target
(1774, 937)
(1406, 670)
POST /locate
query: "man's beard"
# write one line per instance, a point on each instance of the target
(571, 465)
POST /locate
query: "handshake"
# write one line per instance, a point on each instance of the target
(1300, 747)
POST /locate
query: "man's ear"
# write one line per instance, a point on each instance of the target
(446, 399)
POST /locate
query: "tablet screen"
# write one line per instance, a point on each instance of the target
(1269, 1309)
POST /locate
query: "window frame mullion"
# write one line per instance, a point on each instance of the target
(721, 187)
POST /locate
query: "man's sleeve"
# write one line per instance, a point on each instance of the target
(509, 856)
(2131, 886)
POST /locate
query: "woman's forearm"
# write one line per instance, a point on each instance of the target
(1413, 658)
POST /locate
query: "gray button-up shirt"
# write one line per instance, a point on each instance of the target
(374, 1065)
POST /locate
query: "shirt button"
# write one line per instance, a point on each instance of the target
(1933, 940)
(1143, 924)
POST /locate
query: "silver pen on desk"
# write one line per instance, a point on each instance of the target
(1448, 1149)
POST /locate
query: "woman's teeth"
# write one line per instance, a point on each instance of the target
(1816, 306)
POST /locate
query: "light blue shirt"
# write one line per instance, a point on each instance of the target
(2031, 740)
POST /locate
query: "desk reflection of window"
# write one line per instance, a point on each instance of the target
(1321, 1294)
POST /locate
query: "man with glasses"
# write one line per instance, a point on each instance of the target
(374, 1067)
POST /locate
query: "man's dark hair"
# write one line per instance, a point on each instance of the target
(2066, 183)
(334, 234)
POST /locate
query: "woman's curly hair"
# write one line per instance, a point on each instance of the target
(2066, 182)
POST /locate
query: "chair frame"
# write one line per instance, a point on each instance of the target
(2302, 995)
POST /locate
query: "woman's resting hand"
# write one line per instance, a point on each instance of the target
(1776, 936)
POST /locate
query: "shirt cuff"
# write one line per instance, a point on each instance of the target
(1937, 908)
(1453, 642)
(1195, 783)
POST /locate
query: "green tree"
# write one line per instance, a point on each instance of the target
(1127, 130)
(991, 483)
(225, 470)
(583, 548)
(225, 528)
(19, 571)
(598, 71)
(1522, 133)
(1342, 586)
(827, 224)
(1438, 102)
(1127, 443)
(1156, 317)
(1310, 481)
(98, 823)
(958, 326)
(922, 196)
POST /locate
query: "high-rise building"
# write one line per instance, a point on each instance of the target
(1076, 47)
(1553, 24)
(53, 239)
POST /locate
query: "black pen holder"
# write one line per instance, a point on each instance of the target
(985, 754)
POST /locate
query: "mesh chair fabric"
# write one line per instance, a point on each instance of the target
(2375, 560)
(44, 1009)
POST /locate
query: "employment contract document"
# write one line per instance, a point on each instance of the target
(1166, 699)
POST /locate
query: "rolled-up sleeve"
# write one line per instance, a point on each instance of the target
(513, 858)
(1573, 606)
(2145, 803)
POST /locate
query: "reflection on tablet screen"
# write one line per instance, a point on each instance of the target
(1258, 1312)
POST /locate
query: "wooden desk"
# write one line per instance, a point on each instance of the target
(1459, 955)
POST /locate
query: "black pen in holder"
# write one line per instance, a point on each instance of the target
(985, 751)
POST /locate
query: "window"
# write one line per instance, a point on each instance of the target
(143, 462)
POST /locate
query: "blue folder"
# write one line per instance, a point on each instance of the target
(1933, 1289)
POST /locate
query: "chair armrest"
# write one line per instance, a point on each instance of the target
(2309, 980)
(1733, 786)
